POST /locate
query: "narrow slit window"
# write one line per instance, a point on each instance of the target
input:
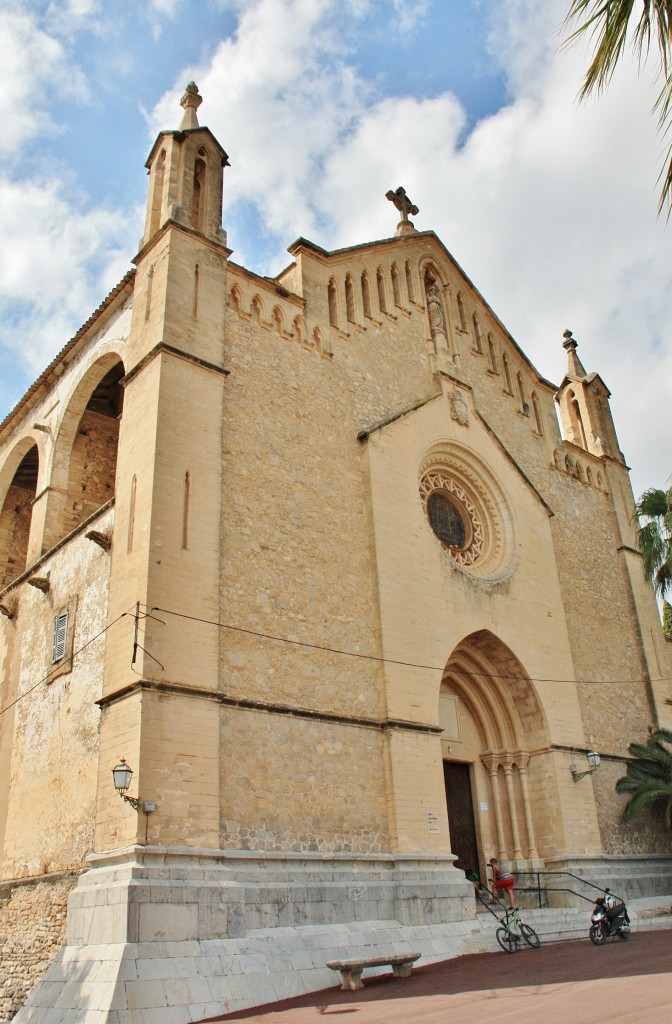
(131, 515)
(185, 512)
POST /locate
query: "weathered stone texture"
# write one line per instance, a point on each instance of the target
(93, 464)
(51, 738)
(284, 520)
(645, 834)
(300, 785)
(14, 530)
(32, 930)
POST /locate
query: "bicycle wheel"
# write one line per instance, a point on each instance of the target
(530, 936)
(507, 941)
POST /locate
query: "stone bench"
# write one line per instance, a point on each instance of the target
(351, 970)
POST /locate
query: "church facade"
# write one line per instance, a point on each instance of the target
(313, 556)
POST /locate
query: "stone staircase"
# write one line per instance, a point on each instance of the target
(560, 924)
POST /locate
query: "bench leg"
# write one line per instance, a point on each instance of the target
(352, 979)
(402, 970)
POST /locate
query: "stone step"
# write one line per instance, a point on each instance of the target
(561, 924)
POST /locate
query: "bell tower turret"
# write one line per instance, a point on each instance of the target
(186, 176)
(583, 401)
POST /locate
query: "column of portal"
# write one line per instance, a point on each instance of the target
(522, 762)
(491, 762)
(508, 778)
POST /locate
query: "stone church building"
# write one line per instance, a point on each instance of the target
(314, 556)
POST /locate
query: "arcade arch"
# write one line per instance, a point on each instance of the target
(85, 455)
(492, 720)
(18, 488)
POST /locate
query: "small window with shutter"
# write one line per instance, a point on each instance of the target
(60, 636)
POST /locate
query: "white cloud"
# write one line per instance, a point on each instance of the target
(58, 259)
(279, 96)
(34, 67)
(408, 13)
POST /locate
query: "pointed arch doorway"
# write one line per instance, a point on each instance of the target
(492, 723)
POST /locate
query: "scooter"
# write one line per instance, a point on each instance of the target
(609, 917)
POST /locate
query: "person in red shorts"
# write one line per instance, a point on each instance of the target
(502, 879)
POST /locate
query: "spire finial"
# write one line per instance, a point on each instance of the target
(191, 101)
(574, 365)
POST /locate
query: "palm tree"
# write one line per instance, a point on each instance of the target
(608, 21)
(648, 777)
(667, 619)
(653, 519)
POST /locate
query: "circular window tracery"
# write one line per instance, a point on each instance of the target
(453, 516)
(467, 511)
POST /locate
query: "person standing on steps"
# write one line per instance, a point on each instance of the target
(502, 879)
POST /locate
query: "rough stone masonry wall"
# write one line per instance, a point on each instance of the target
(302, 786)
(32, 931)
(646, 834)
(14, 530)
(293, 487)
(92, 467)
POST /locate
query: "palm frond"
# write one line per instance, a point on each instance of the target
(645, 798)
(648, 776)
(653, 503)
(653, 523)
(608, 23)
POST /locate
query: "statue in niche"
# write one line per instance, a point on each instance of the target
(437, 320)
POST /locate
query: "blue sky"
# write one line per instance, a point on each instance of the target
(323, 105)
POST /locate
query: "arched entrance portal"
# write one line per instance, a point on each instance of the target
(492, 725)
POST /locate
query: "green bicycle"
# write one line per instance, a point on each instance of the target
(513, 931)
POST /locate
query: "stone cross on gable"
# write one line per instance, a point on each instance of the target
(402, 202)
(405, 205)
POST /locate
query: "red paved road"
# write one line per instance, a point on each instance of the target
(564, 983)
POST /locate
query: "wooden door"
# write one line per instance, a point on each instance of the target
(461, 814)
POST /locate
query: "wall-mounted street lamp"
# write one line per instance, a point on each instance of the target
(594, 762)
(122, 775)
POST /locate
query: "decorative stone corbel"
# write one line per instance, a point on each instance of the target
(103, 540)
(40, 583)
(9, 605)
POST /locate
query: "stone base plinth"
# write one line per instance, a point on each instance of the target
(172, 935)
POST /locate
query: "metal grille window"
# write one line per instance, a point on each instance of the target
(60, 636)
